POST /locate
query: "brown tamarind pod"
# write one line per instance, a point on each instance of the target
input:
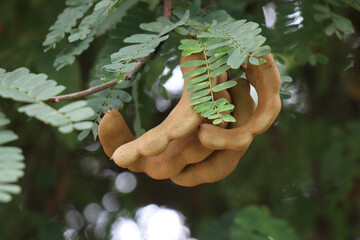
(113, 131)
(179, 153)
(266, 80)
(221, 162)
(181, 122)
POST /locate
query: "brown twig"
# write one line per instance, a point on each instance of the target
(167, 8)
(98, 88)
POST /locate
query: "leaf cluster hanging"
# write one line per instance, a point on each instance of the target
(101, 10)
(65, 21)
(116, 96)
(143, 44)
(225, 45)
(201, 84)
(91, 26)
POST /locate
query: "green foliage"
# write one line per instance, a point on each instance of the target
(98, 22)
(201, 83)
(225, 45)
(65, 21)
(139, 130)
(256, 223)
(285, 80)
(101, 10)
(125, 60)
(338, 25)
(115, 96)
(23, 86)
(352, 3)
(11, 163)
(237, 39)
(306, 169)
(67, 55)
(252, 223)
(128, 25)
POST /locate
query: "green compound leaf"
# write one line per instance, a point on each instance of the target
(23, 86)
(116, 97)
(65, 21)
(11, 163)
(237, 39)
(201, 85)
(125, 59)
(68, 54)
(163, 26)
(101, 10)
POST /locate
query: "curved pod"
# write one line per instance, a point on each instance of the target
(179, 153)
(180, 123)
(222, 162)
(113, 131)
(267, 81)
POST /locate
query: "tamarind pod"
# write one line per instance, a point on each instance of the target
(113, 131)
(266, 80)
(179, 153)
(216, 167)
(221, 162)
(181, 122)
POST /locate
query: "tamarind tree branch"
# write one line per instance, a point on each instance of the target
(128, 75)
(98, 88)
(167, 8)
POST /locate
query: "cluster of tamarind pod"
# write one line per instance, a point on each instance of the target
(187, 148)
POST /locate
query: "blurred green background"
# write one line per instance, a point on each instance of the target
(299, 180)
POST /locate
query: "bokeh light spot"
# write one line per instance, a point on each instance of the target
(125, 182)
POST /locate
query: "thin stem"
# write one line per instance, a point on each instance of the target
(95, 89)
(210, 82)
